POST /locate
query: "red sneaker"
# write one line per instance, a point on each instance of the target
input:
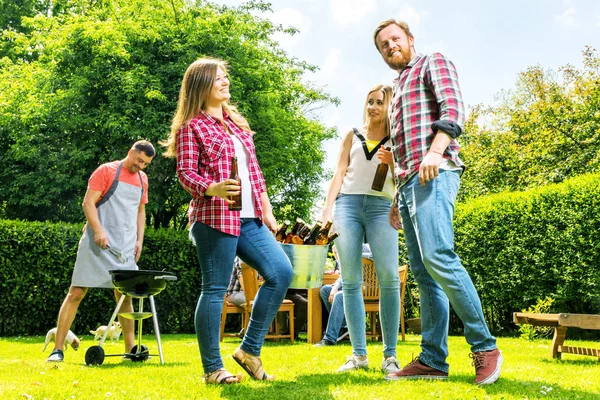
(416, 370)
(487, 366)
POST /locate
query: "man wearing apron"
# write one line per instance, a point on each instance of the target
(114, 207)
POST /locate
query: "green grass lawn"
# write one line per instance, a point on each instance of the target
(302, 372)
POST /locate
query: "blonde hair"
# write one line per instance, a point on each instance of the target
(401, 24)
(196, 86)
(387, 99)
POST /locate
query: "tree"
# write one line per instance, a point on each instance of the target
(544, 131)
(79, 87)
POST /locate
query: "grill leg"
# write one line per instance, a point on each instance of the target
(141, 310)
(112, 319)
(157, 332)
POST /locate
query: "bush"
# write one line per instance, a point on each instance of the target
(36, 263)
(524, 246)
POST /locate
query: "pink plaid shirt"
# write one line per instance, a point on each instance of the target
(204, 153)
(425, 92)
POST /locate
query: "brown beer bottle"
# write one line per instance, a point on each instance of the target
(311, 238)
(294, 231)
(332, 237)
(380, 175)
(323, 233)
(302, 232)
(237, 205)
(280, 234)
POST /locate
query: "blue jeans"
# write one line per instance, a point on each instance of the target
(359, 217)
(216, 251)
(427, 213)
(336, 313)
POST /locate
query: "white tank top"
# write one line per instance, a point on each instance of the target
(361, 169)
(244, 174)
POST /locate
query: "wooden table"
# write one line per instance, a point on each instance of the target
(315, 311)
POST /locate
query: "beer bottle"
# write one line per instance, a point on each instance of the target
(299, 238)
(294, 231)
(280, 234)
(323, 233)
(380, 175)
(237, 205)
(332, 237)
(311, 238)
(302, 232)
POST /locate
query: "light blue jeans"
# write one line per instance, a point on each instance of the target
(360, 217)
(216, 251)
(336, 319)
(427, 213)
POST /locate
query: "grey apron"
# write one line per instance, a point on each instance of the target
(117, 212)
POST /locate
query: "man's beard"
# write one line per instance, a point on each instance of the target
(398, 62)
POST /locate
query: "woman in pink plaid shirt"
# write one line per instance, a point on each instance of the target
(207, 132)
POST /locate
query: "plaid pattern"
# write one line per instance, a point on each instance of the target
(234, 283)
(204, 153)
(426, 91)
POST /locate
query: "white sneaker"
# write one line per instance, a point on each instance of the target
(354, 362)
(56, 356)
(390, 365)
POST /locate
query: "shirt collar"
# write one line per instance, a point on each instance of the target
(416, 58)
(212, 119)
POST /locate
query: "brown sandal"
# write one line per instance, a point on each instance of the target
(220, 377)
(252, 365)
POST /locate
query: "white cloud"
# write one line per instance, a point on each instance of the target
(330, 66)
(411, 16)
(289, 17)
(568, 17)
(347, 12)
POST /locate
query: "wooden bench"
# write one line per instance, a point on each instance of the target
(561, 322)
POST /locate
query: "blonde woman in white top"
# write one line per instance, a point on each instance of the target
(360, 214)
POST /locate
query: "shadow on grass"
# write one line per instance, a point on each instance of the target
(589, 361)
(317, 386)
(322, 386)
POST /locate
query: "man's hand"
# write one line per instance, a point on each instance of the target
(100, 239)
(429, 168)
(137, 251)
(394, 217)
(334, 290)
(224, 189)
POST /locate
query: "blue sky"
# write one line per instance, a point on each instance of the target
(490, 42)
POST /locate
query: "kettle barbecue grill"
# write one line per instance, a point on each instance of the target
(137, 284)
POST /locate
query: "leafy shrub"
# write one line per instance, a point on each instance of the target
(522, 246)
(36, 263)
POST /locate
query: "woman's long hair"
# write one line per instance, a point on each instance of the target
(387, 99)
(196, 86)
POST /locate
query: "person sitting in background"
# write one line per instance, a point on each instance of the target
(333, 299)
(235, 293)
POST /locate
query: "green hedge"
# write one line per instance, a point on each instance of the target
(524, 246)
(517, 247)
(36, 263)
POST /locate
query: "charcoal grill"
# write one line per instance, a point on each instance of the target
(138, 284)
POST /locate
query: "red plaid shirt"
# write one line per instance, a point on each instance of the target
(426, 91)
(204, 152)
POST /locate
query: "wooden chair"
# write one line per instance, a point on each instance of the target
(371, 297)
(230, 308)
(250, 286)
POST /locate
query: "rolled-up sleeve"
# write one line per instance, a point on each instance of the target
(442, 79)
(187, 162)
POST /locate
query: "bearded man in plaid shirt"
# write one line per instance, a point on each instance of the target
(427, 115)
